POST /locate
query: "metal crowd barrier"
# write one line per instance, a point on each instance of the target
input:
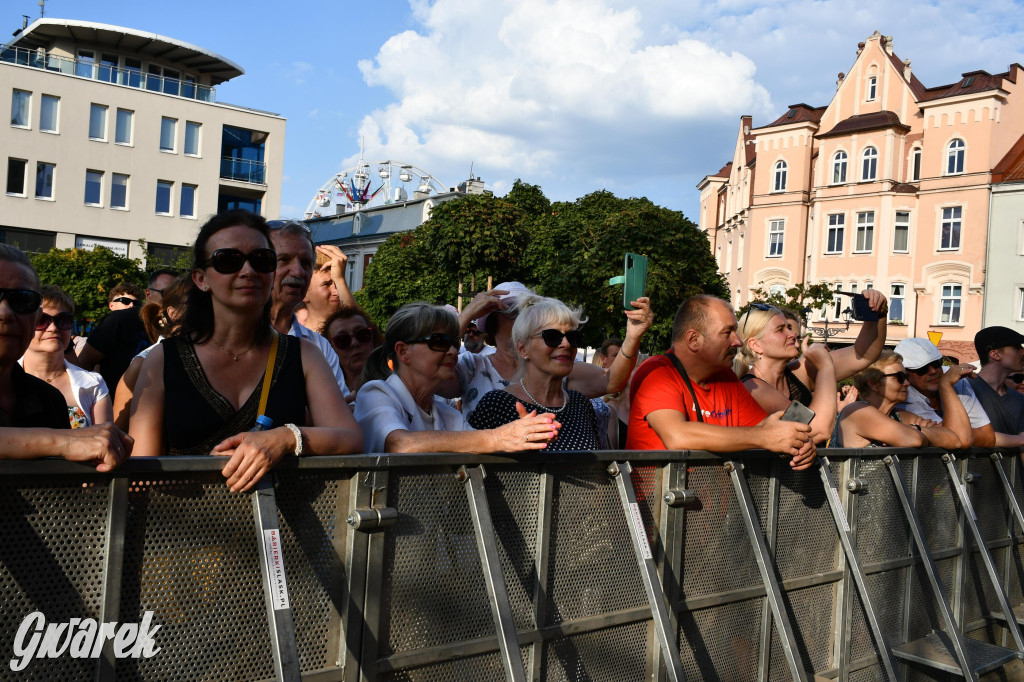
(881, 564)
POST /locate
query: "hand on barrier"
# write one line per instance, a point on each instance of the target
(788, 438)
(252, 454)
(105, 445)
(639, 320)
(805, 458)
(531, 431)
(911, 419)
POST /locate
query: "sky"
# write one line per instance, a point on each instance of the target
(639, 98)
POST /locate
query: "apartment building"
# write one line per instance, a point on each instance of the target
(887, 186)
(116, 138)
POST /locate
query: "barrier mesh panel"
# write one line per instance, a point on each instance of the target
(204, 586)
(920, 673)
(54, 539)
(886, 591)
(925, 616)
(988, 499)
(811, 614)
(591, 566)
(881, 527)
(936, 504)
(978, 596)
(513, 496)
(716, 552)
(1014, 593)
(481, 668)
(433, 588)
(616, 653)
(806, 541)
(721, 642)
(872, 673)
(645, 478)
(309, 511)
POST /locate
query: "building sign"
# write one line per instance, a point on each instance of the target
(89, 243)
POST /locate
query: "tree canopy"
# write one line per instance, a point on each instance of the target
(87, 276)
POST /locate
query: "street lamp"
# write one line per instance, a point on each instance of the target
(826, 332)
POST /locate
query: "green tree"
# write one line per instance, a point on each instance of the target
(796, 298)
(402, 271)
(87, 276)
(582, 244)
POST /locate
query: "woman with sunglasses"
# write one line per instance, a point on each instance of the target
(545, 335)
(401, 413)
(873, 419)
(86, 393)
(200, 391)
(352, 335)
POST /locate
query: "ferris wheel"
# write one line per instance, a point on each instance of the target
(373, 183)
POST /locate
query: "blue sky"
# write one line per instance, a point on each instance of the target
(640, 98)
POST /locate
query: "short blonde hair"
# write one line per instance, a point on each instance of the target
(866, 379)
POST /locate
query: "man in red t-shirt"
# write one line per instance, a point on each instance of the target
(663, 414)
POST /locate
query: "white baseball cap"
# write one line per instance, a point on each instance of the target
(917, 352)
(513, 289)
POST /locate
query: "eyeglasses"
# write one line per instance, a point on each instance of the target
(437, 342)
(1017, 378)
(934, 364)
(159, 291)
(281, 224)
(472, 332)
(125, 300)
(343, 341)
(763, 307)
(901, 377)
(230, 261)
(63, 321)
(22, 301)
(553, 337)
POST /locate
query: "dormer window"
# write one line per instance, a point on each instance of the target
(968, 82)
(872, 88)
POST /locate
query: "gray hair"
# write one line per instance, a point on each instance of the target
(539, 312)
(416, 320)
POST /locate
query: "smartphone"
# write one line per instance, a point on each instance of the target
(862, 311)
(797, 412)
(635, 271)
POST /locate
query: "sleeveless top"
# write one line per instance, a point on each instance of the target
(836, 441)
(797, 390)
(197, 417)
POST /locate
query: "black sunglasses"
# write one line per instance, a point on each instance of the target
(1017, 378)
(553, 338)
(63, 321)
(126, 300)
(901, 377)
(921, 371)
(230, 261)
(437, 342)
(763, 307)
(343, 341)
(22, 301)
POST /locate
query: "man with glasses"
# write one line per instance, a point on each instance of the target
(33, 414)
(473, 340)
(118, 338)
(690, 399)
(123, 296)
(942, 394)
(1001, 352)
(158, 281)
(293, 243)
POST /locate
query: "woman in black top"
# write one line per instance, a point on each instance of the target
(199, 391)
(545, 336)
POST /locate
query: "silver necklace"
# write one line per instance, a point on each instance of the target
(565, 399)
(233, 354)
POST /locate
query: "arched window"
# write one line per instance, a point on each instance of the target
(780, 177)
(839, 168)
(869, 165)
(955, 157)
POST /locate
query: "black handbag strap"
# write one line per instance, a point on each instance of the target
(686, 380)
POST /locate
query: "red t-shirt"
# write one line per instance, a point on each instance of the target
(658, 386)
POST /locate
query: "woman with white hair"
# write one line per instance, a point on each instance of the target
(545, 336)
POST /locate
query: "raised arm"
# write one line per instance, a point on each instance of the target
(869, 342)
(954, 416)
(337, 265)
(593, 381)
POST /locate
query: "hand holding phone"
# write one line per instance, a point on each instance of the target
(862, 311)
(798, 412)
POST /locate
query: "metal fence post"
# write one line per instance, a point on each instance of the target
(113, 567)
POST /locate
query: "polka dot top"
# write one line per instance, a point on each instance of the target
(578, 420)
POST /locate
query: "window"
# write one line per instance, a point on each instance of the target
(167, 129)
(869, 165)
(163, 197)
(48, 113)
(1020, 304)
(865, 232)
(97, 122)
(839, 168)
(29, 241)
(153, 79)
(775, 237)
(93, 188)
(836, 225)
(20, 101)
(118, 190)
(915, 165)
(955, 157)
(16, 176)
(949, 238)
(192, 137)
(187, 205)
(949, 304)
(172, 80)
(108, 67)
(132, 74)
(780, 177)
(777, 290)
(837, 302)
(872, 88)
(897, 294)
(44, 180)
(123, 131)
(86, 62)
(901, 232)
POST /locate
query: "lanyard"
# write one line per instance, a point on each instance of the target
(686, 379)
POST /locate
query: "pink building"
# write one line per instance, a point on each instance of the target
(888, 186)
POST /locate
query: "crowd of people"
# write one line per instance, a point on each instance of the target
(260, 352)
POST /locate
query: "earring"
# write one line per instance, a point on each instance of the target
(391, 364)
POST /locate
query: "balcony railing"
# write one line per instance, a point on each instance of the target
(243, 170)
(133, 78)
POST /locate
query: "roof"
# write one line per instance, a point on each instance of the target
(725, 172)
(904, 188)
(798, 113)
(971, 82)
(860, 122)
(43, 33)
(1011, 167)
